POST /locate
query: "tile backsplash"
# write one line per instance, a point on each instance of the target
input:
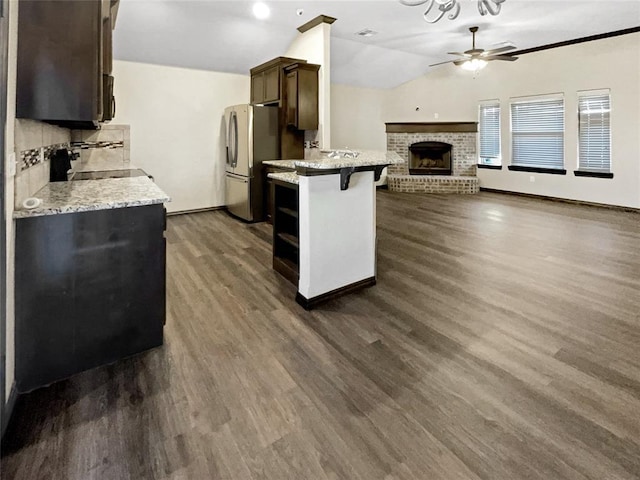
(104, 149)
(34, 143)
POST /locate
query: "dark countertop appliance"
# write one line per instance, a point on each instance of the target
(60, 165)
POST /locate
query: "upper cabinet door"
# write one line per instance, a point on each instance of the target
(302, 96)
(107, 51)
(292, 98)
(257, 88)
(272, 85)
(64, 50)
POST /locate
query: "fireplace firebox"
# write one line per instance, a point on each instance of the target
(430, 158)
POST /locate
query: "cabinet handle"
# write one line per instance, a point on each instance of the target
(113, 106)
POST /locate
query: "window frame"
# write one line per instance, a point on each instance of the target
(485, 162)
(538, 168)
(581, 171)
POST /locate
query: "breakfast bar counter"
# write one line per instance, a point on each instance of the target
(325, 223)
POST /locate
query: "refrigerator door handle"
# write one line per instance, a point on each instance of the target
(233, 141)
(229, 139)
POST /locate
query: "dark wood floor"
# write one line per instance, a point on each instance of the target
(501, 342)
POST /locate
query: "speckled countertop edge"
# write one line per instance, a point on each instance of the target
(364, 159)
(288, 164)
(289, 177)
(90, 195)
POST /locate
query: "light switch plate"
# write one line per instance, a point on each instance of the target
(11, 165)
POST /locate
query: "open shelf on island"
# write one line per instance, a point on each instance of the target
(286, 244)
(288, 211)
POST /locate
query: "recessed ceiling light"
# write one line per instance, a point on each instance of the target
(367, 32)
(261, 10)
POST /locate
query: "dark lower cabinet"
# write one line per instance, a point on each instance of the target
(90, 290)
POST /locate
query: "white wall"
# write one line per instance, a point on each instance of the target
(613, 63)
(357, 118)
(177, 128)
(314, 46)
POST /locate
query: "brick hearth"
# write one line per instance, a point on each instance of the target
(462, 136)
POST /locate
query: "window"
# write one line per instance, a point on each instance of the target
(490, 133)
(594, 132)
(537, 135)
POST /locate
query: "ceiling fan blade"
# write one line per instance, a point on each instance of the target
(459, 54)
(506, 58)
(442, 63)
(497, 51)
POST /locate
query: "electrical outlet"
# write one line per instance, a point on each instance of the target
(532, 179)
(436, 116)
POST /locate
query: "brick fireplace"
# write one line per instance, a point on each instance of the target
(440, 157)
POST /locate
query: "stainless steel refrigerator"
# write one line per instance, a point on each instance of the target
(252, 136)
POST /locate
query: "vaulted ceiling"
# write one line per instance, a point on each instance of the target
(224, 36)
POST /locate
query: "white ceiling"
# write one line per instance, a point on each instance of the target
(224, 36)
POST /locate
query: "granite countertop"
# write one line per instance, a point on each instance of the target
(88, 195)
(288, 164)
(320, 160)
(288, 177)
(366, 158)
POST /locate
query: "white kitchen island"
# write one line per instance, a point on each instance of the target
(325, 223)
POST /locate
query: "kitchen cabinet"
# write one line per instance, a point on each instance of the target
(90, 290)
(64, 59)
(302, 96)
(265, 87)
(266, 81)
(269, 85)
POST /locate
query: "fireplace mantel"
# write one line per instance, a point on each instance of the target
(432, 127)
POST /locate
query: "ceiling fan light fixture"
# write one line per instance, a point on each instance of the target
(474, 64)
(452, 7)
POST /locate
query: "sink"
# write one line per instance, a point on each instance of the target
(340, 153)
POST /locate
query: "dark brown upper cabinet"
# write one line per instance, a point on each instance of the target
(270, 85)
(64, 59)
(267, 87)
(302, 96)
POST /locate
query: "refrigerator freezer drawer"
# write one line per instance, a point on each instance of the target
(238, 197)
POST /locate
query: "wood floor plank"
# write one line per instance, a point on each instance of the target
(500, 342)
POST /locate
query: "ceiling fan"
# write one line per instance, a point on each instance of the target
(477, 58)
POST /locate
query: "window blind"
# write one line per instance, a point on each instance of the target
(594, 139)
(537, 133)
(490, 133)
